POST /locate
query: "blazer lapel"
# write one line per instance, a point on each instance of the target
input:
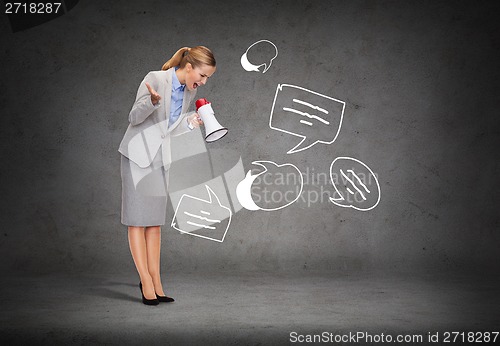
(166, 96)
(168, 93)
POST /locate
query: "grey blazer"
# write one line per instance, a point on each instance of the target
(147, 131)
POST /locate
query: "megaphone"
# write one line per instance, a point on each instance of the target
(213, 130)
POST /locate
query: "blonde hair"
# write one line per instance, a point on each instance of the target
(196, 56)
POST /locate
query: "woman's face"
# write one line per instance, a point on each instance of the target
(197, 76)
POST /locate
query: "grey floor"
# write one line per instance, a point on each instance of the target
(243, 308)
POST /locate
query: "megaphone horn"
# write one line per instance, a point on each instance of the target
(213, 130)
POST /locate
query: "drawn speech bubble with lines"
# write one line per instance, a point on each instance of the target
(207, 219)
(356, 186)
(314, 117)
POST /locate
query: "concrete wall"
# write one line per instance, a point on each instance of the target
(420, 82)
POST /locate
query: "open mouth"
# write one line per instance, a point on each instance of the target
(195, 85)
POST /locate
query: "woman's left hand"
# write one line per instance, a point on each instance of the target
(195, 120)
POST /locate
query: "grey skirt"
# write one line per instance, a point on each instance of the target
(144, 193)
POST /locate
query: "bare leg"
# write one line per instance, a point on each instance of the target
(153, 244)
(137, 242)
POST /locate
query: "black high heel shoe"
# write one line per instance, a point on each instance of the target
(164, 299)
(148, 301)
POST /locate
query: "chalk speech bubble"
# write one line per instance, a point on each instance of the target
(207, 219)
(244, 188)
(314, 117)
(355, 184)
(261, 45)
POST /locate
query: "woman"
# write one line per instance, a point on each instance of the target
(159, 113)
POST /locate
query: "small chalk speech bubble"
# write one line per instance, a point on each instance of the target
(356, 186)
(268, 48)
(244, 188)
(314, 117)
(202, 218)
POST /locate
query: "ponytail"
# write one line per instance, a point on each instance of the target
(196, 56)
(176, 59)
